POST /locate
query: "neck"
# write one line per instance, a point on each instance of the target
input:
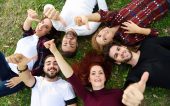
(97, 88)
(51, 79)
(135, 59)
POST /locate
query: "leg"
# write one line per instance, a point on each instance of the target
(7, 91)
(5, 71)
(168, 4)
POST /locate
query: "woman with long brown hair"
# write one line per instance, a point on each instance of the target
(128, 25)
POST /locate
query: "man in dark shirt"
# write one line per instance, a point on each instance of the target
(153, 56)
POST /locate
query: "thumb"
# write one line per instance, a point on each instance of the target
(143, 79)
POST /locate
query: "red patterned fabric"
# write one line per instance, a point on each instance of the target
(141, 12)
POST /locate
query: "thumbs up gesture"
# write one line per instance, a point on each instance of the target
(82, 20)
(133, 94)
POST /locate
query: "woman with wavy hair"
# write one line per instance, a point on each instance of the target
(128, 25)
(93, 71)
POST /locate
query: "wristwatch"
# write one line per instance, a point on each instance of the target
(20, 71)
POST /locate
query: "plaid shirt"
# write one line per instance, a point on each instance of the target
(42, 53)
(141, 12)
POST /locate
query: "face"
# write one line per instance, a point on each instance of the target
(97, 77)
(120, 53)
(51, 67)
(43, 27)
(105, 36)
(69, 43)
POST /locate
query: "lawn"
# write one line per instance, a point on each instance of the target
(12, 16)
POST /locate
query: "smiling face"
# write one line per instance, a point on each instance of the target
(120, 53)
(105, 36)
(69, 42)
(51, 68)
(43, 27)
(97, 77)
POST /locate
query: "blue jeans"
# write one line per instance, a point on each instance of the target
(5, 74)
(168, 4)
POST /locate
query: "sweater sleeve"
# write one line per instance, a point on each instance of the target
(78, 87)
(108, 16)
(27, 33)
(154, 32)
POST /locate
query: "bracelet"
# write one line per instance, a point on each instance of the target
(20, 71)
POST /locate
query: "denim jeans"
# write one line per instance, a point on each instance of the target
(5, 74)
(168, 4)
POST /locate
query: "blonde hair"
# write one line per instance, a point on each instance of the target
(95, 45)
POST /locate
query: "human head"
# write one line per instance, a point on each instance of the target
(92, 62)
(69, 44)
(51, 68)
(44, 27)
(103, 36)
(117, 53)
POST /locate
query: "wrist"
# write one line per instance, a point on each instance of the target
(22, 68)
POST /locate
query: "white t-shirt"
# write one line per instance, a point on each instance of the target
(46, 93)
(73, 8)
(28, 47)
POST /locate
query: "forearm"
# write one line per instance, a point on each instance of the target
(27, 24)
(94, 17)
(26, 76)
(144, 31)
(64, 66)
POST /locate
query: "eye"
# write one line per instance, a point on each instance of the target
(105, 39)
(101, 73)
(99, 35)
(92, 73)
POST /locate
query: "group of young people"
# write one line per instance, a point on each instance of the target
(37, 65)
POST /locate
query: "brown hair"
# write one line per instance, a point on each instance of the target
(95, 45)
(82, 69)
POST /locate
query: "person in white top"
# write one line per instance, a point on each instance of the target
(49, 90)
(10, 82)
(65, 21)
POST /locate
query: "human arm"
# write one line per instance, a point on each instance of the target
(52, 13)
(64, 66)
(13, 82)
(67, 70)
(31, 16)
(132, 28)
(22, 61)
(133, 94)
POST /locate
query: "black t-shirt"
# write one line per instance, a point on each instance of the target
(154, 58)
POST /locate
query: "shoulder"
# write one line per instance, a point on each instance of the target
(64, 83)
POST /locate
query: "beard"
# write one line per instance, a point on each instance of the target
(128, 59)
(53, 75)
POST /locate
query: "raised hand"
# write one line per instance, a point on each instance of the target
(131, 27)
(50, 45)
(133, 94)
(18, 59)
(51, 13)
(32, 15)
(81, 20)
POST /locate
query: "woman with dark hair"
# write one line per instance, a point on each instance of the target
(93, 70)
(31, 45)
(128, 25)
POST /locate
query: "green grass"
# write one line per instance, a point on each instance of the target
(13, 14)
